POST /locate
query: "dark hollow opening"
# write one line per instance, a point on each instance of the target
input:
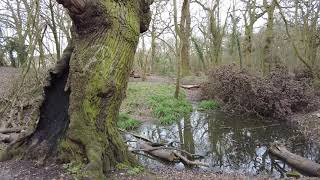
(54, 118)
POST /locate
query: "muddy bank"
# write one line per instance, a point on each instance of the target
(309, 125)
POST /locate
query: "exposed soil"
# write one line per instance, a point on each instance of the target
(27, 170)
(171, 174)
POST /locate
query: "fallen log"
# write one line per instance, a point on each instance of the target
(10, 130)
(303, 165)
(163, 154)
(168, 154)
(5, 138)
(190, 86)
(187, 161)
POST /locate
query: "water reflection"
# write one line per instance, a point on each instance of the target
(230, 144)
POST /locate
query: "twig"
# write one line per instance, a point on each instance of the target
(136, 136)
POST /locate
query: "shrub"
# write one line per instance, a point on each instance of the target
(278, 95)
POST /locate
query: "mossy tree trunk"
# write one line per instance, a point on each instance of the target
(105, 35)
(267, 61)
(185, 35)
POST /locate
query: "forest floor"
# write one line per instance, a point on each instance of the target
(27, 170)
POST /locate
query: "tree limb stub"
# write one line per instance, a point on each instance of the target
(74, 6)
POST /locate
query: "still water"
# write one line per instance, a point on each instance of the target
(230, 144)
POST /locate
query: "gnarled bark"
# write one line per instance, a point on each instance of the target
(90, 87)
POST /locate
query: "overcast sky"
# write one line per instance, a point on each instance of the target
(198, 14)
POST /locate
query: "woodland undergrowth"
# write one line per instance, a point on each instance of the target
(277, 95)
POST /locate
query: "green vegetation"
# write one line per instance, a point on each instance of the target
(127, 123)
(169, 109)
(129, 169)
(208, 105)
(75, 169)
(156, 100)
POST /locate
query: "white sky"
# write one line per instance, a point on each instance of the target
(197, 14)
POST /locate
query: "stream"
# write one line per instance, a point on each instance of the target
(229, 144)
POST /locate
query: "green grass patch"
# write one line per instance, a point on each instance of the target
(168, 109)
(127, 123)
(208, 105)
(155, 100)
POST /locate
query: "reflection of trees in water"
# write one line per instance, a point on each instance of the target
(233, 144)
(188, 142)
(241, 144)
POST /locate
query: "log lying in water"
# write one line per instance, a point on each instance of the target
(190, 86)
(305, 166)
(10, 130)
(162, 154)
(168, 154)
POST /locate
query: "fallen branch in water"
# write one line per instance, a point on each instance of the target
(305, 166)
(168, 154)
(187, 161)
(136, 136)
(195, 156)
(163, 152)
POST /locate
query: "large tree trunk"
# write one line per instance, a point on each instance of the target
(79, 113)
